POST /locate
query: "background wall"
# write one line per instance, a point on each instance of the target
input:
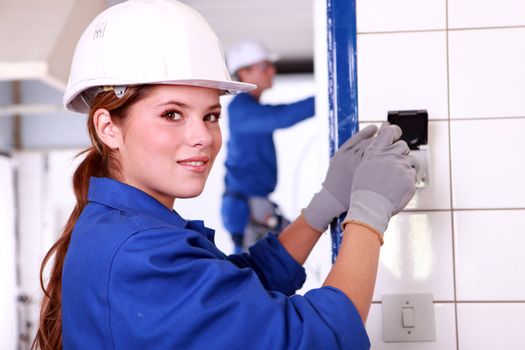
(461, 238)
(8, 290)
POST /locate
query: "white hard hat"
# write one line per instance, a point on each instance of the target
(147, 42)
(246, 53)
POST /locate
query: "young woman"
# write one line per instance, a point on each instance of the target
(130, 273)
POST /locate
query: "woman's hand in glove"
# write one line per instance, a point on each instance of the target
(385, 181)
(333, 199)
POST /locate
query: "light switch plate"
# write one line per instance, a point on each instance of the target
(408, 317)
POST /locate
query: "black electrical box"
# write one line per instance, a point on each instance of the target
(414, 124)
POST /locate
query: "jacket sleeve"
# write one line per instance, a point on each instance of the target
(249, 116)
(276, 269)
(166, 294)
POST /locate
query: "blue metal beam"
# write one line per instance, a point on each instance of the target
(342, 83)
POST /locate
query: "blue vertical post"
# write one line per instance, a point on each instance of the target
(342, 84)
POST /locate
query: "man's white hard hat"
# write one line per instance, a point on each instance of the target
(246, 53)
(147, 42)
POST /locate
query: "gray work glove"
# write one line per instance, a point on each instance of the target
(385, 181)
(333, 198)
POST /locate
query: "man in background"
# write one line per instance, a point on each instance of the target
(251, 162)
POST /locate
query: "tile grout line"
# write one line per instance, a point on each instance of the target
(456, 119)
(447, 29)
(451, 192)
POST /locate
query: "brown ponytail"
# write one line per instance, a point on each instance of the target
(97, 162)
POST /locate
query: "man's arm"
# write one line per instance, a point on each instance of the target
(248, 116)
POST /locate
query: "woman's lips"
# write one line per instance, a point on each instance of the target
(195, 164)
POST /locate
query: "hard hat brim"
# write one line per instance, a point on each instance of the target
(75, 103)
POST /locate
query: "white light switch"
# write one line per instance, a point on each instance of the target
(408, 317)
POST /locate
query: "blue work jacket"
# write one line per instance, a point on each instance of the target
(138, 276)
(251, 161)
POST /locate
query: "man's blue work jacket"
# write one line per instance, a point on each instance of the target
(251, 161)
(138, 276)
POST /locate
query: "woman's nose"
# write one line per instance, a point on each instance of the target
(198, 133)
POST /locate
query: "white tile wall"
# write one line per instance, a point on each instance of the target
(445, 331)
(485, 13)
(417, 256)
(490, 264)
(488, 164)
(387, 15)
(491, 326)
(487, 74)
(402, 71)
(471, 78)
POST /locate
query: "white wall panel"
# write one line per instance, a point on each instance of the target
(485, 13)
(490, 264)
(487, 74)
(402, 71)
(487, 163)
(8, 291)
(491, 326)
(60, 197)
(388, 15)
(417, 256)
(32, 245)
(30, 199)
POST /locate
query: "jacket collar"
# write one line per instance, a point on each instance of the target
(121, 196)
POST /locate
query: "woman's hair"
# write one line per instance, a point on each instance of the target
(97, 162)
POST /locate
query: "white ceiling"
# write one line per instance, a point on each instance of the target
(285, 26)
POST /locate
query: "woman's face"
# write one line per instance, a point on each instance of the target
(170, 140)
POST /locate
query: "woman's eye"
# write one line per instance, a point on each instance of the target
(172, 115)
(212, 117)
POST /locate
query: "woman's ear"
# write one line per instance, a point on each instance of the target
(107, 130)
